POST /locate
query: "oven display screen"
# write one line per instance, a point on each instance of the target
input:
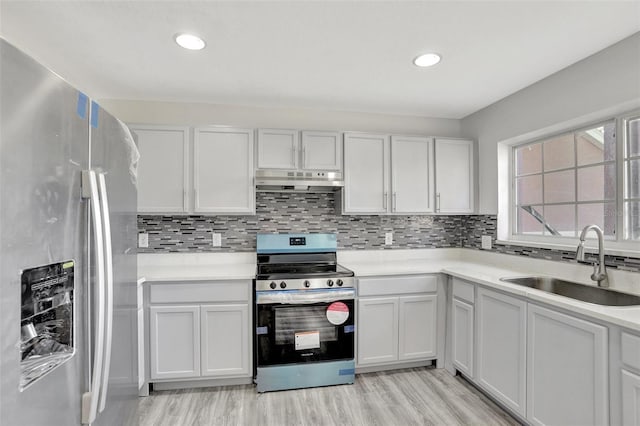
(297, 241)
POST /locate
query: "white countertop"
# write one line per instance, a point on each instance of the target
(484, 268)
(487, 268)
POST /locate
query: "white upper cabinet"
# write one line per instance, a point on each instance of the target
(162, 169)
(286, 150)
(223, 170)
(321, 150)
(454, 176)
(411, 174)
(387, 175)
(278, 149)
(366, 173)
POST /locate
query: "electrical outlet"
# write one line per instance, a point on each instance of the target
(216, 239)
(143, 240)
(388, 238)
(486, 242)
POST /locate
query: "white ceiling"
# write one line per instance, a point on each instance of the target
(338, 55)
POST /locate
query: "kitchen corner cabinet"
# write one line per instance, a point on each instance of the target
(396, 320)
(387, 175)
(199, 330)
(462, 328)
(567, 363)
(454, 176)
(501, 350)
(291, 150)
(163, 168)
(223, 170)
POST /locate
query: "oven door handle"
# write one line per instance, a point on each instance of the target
(298, 297)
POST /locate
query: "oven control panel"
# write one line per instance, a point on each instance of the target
(305, 283)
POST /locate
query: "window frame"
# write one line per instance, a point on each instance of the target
(618, 245)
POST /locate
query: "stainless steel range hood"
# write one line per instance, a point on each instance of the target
(298, 181)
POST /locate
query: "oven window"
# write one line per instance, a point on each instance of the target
(294, 319)
(287, 334)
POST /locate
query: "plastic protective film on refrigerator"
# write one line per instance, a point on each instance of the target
(47, 320)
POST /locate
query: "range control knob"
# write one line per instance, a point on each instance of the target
(339, 282)
(283, 284)
(272, 285)
(330, 283)
(307, 283)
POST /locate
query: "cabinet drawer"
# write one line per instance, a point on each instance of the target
(631, 350)
(214, 291)
(463, 290)
(381, 286)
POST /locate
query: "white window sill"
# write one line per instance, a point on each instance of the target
(591, 246)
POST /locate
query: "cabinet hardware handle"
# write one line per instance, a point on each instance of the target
(395, 201)
(438, 202)
(384, 200)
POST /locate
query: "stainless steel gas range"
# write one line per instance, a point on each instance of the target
(304, 314)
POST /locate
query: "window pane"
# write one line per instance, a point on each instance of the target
(633, 186)
(526, 222)
(597, 183)
(559, 153)
(633, 137)
(601, 214)
(562, 219)
(529, 190)
(632, 213)
(529, 159)
(596, 145)
(559, 187)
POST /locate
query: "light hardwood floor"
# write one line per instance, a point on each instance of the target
(418, 396)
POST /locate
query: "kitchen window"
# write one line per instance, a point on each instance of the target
(561, 183)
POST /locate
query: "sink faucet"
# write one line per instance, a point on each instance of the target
(599, 269)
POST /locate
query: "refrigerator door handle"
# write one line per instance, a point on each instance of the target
(90, 398)
(108, 262)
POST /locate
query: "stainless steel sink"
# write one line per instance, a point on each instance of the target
(585, 293)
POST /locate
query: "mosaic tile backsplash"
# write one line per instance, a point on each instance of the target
(316, 212)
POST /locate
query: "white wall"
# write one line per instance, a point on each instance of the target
(196, 114)
(603, 84)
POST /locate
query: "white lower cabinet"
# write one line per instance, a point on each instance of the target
(501, 350)
(566, 370)
(224, 340)
(200, 330)
(462, 336)
(630, 399)
(396, 320)
(174, 341)
(417, 335)
(377, 330)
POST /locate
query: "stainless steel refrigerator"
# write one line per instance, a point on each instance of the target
(68, 323)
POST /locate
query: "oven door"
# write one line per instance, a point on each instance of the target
(299, 326)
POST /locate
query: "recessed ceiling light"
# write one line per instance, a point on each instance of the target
(427, 60)
(190, 41)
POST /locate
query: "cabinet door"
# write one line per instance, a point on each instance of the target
(377, 330)
(417, 327)
(630, 399)
(454, 176)
(321, 151)
(224, 171)
(162, 168)
(225, 340)
(277, 149)
(366, 171)
(567, 378)
(411, 174)
(462, 336)
(174, 342)
(501, 367)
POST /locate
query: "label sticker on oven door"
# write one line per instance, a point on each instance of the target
(337, 313)
(307, 340)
